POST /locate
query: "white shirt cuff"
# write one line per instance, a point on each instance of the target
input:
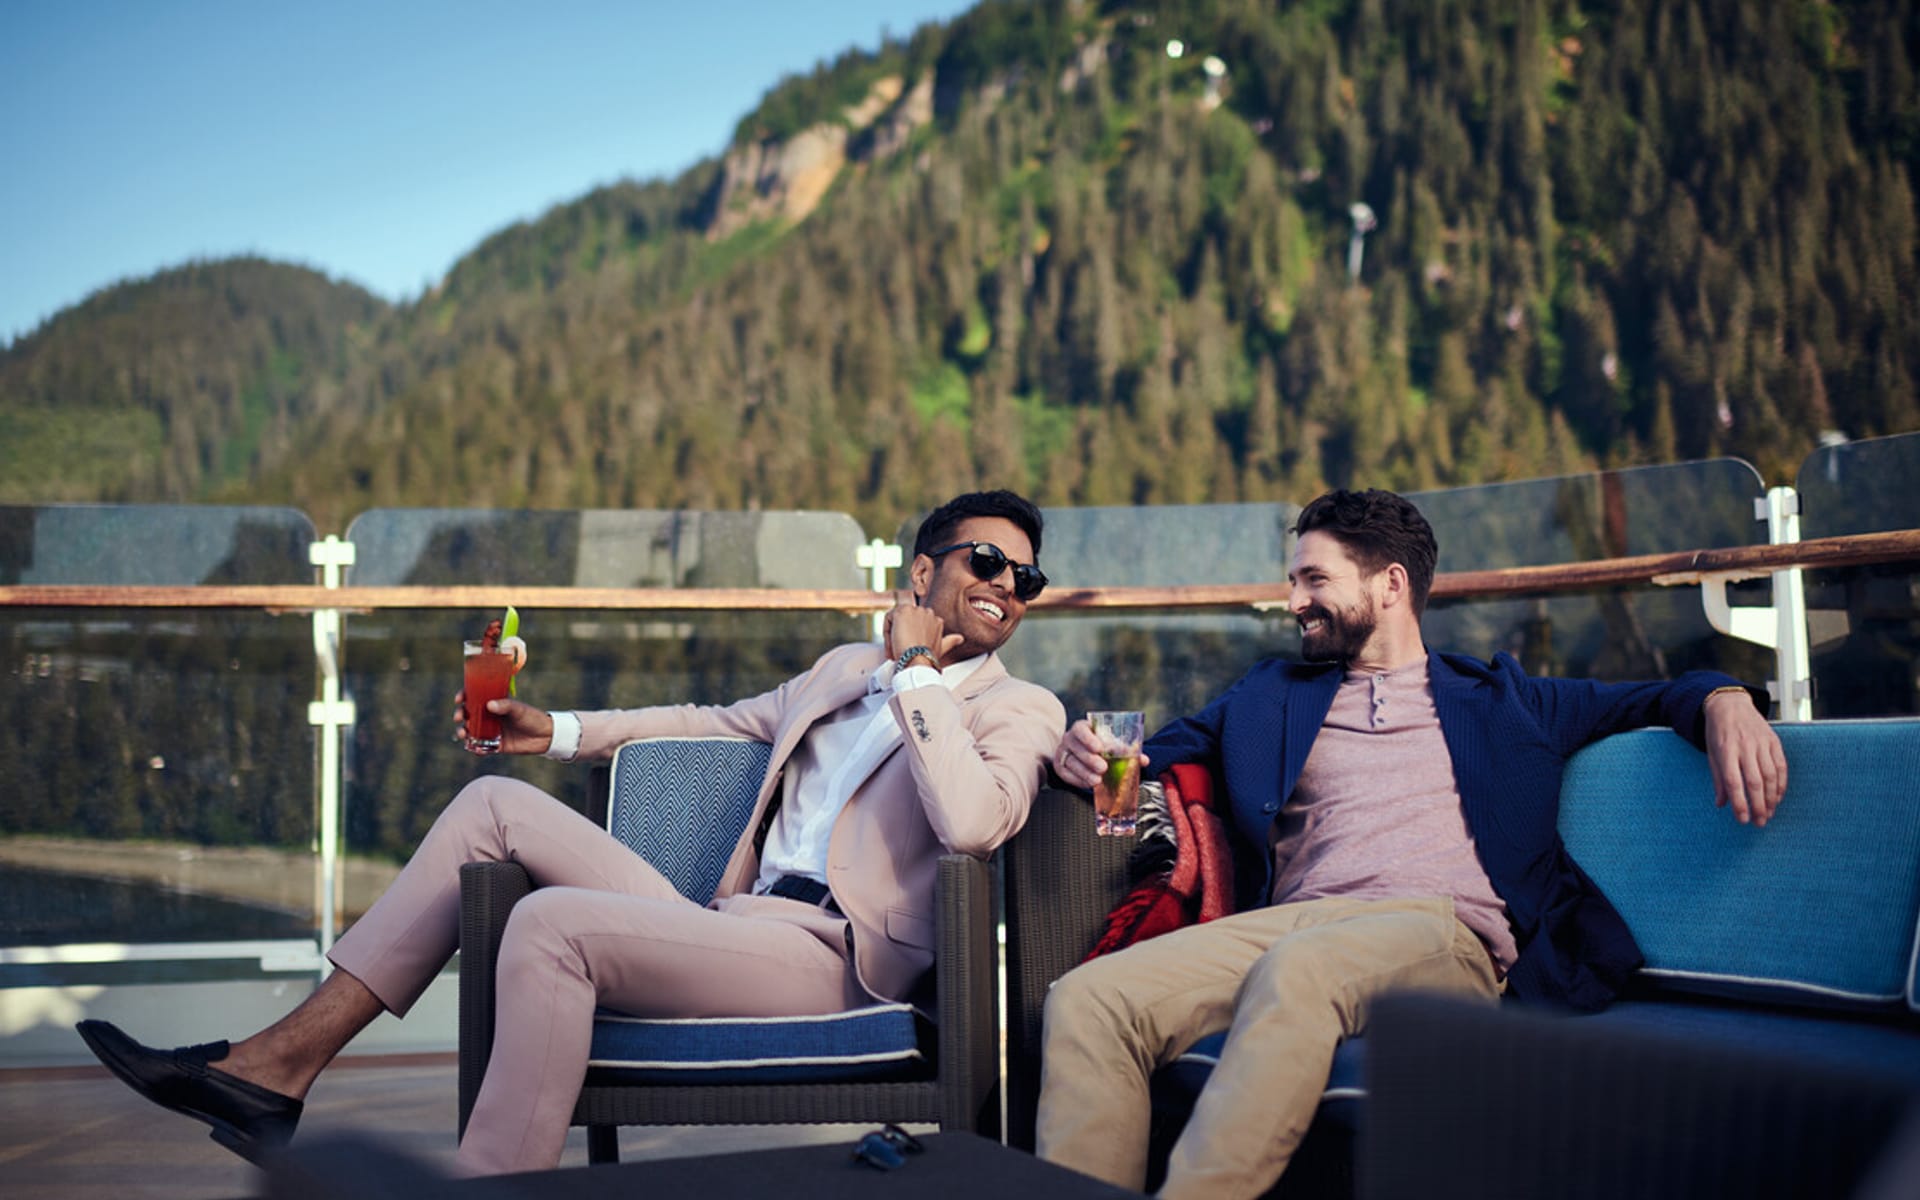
(916, 677)
(566, 737)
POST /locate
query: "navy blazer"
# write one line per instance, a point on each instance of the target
(1509, 735)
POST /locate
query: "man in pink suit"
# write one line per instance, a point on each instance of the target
(884, 758)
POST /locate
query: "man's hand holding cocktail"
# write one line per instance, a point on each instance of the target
(910, 625)
(524, 729)
(1081, 759)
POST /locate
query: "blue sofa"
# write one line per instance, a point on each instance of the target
(1798, 941)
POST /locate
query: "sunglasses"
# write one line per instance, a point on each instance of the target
(988, 560)
(886, 1149)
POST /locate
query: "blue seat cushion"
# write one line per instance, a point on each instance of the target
(1820, 908)
(1858, 1045)
(1854, 1044)
(881, 1041)
(1178, 1084)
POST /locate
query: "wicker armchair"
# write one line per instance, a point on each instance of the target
(1061, 881)
(952, 1085)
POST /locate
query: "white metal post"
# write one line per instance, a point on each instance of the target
(1792, 647)
(877, 558)
(1781, 626)
(330, 714)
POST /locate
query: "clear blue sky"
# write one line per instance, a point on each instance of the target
(375, 140)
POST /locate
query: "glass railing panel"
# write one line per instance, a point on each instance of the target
(1864, 622)
(1644, 632)
(1165, 663)
(156, 767)
(402, 668)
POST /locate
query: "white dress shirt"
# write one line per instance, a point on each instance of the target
(830, 764)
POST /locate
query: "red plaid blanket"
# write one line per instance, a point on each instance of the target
(1197, 886)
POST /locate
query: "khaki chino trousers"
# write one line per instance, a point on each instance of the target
(1287, 982)
(602, 928)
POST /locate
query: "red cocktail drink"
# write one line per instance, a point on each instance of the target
(489, 671)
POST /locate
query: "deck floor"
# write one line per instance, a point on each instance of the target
(77, 1133)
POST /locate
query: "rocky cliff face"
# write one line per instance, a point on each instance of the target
(891, 132)
(785, 179)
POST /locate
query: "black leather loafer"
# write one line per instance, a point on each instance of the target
(247, 1119)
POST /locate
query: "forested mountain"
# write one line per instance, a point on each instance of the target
(173, 386)
(1034, 248)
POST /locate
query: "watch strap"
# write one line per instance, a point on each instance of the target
(913, 652)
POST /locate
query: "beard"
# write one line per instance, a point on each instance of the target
(1341, 637)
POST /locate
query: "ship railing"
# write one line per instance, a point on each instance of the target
(1084, 631)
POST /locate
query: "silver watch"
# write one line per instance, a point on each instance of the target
(913, 652)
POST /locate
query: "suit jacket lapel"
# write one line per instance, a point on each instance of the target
(1462, 709)
(984, 676)
(969, 688)
(1307, 705)
(819, 695)
(824, 696)
(1453, 699)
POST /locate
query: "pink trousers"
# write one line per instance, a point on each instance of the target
(602, 928)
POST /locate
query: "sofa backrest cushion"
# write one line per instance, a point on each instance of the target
(1820, 907)
(681, 802)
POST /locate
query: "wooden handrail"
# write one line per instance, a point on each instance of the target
(304, 597)
(1685, 566)
(1677, 568)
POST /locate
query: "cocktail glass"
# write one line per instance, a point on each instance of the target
(489, 672)
(1116, 794)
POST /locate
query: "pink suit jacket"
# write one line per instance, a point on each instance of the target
(961, 780)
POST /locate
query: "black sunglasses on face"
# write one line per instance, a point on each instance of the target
(988, 560)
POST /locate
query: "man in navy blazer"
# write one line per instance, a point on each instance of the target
(1393, 813)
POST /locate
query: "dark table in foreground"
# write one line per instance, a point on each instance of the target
(960, 1166)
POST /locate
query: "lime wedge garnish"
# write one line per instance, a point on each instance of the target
(1117, 773)
(509, 627)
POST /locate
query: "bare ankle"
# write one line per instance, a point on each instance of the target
(289, 1054)
(257, 1064)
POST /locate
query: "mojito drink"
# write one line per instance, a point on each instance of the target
(1116, 794)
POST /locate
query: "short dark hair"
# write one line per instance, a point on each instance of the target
(939, 527)
(1377, 528)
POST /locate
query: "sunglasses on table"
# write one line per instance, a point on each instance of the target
(988, 560)
(887, 1148)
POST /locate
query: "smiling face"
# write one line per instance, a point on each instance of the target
(984, 612)
(1333, 600)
